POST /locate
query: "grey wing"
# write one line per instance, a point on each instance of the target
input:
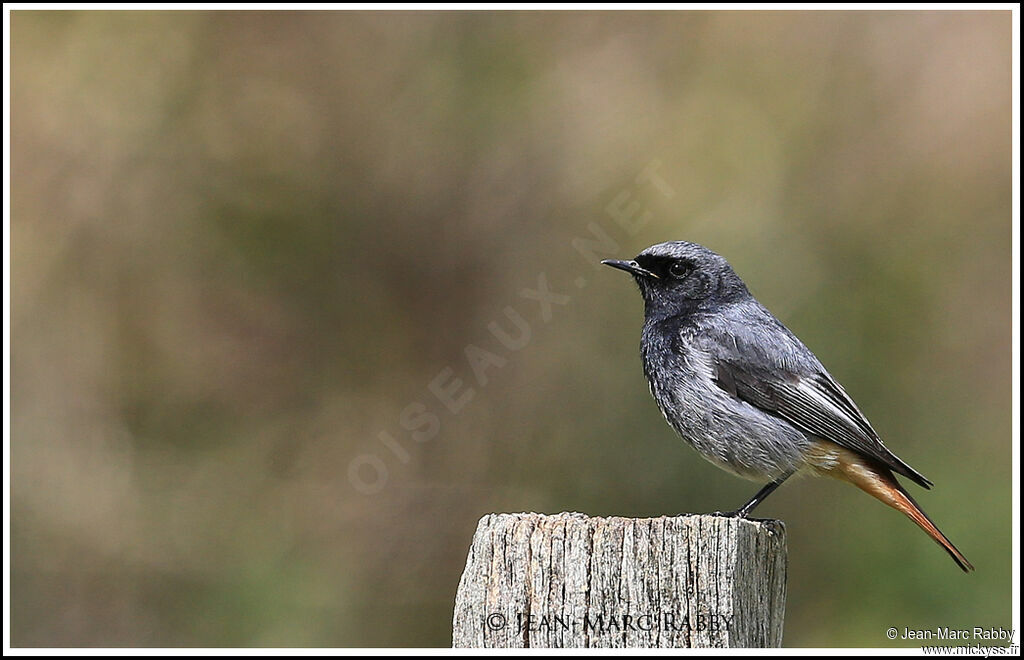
(783, 378)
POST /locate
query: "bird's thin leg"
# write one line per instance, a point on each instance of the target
(745, 510)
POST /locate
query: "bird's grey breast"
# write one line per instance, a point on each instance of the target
(680, 365)
(681, 376)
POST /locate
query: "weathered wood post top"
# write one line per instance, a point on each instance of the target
(568, 580)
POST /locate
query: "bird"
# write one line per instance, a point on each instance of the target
(744, 391)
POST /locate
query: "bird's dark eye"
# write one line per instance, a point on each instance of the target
(679, 269)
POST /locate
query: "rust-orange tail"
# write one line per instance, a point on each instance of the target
(879, 482)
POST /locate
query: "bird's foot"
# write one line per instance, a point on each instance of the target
(738, 513)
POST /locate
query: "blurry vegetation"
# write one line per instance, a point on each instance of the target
(244, 243)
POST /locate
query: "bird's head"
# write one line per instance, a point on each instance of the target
(680, 277)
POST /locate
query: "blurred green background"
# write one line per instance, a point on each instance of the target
(245, 244)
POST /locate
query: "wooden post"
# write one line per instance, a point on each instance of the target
(568, 580)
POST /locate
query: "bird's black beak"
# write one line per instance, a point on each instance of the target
(630, 267)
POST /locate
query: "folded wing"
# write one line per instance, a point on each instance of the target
(792, 385)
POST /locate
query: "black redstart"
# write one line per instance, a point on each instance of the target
(736, 384)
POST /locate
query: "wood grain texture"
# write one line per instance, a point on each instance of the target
(568, 580)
